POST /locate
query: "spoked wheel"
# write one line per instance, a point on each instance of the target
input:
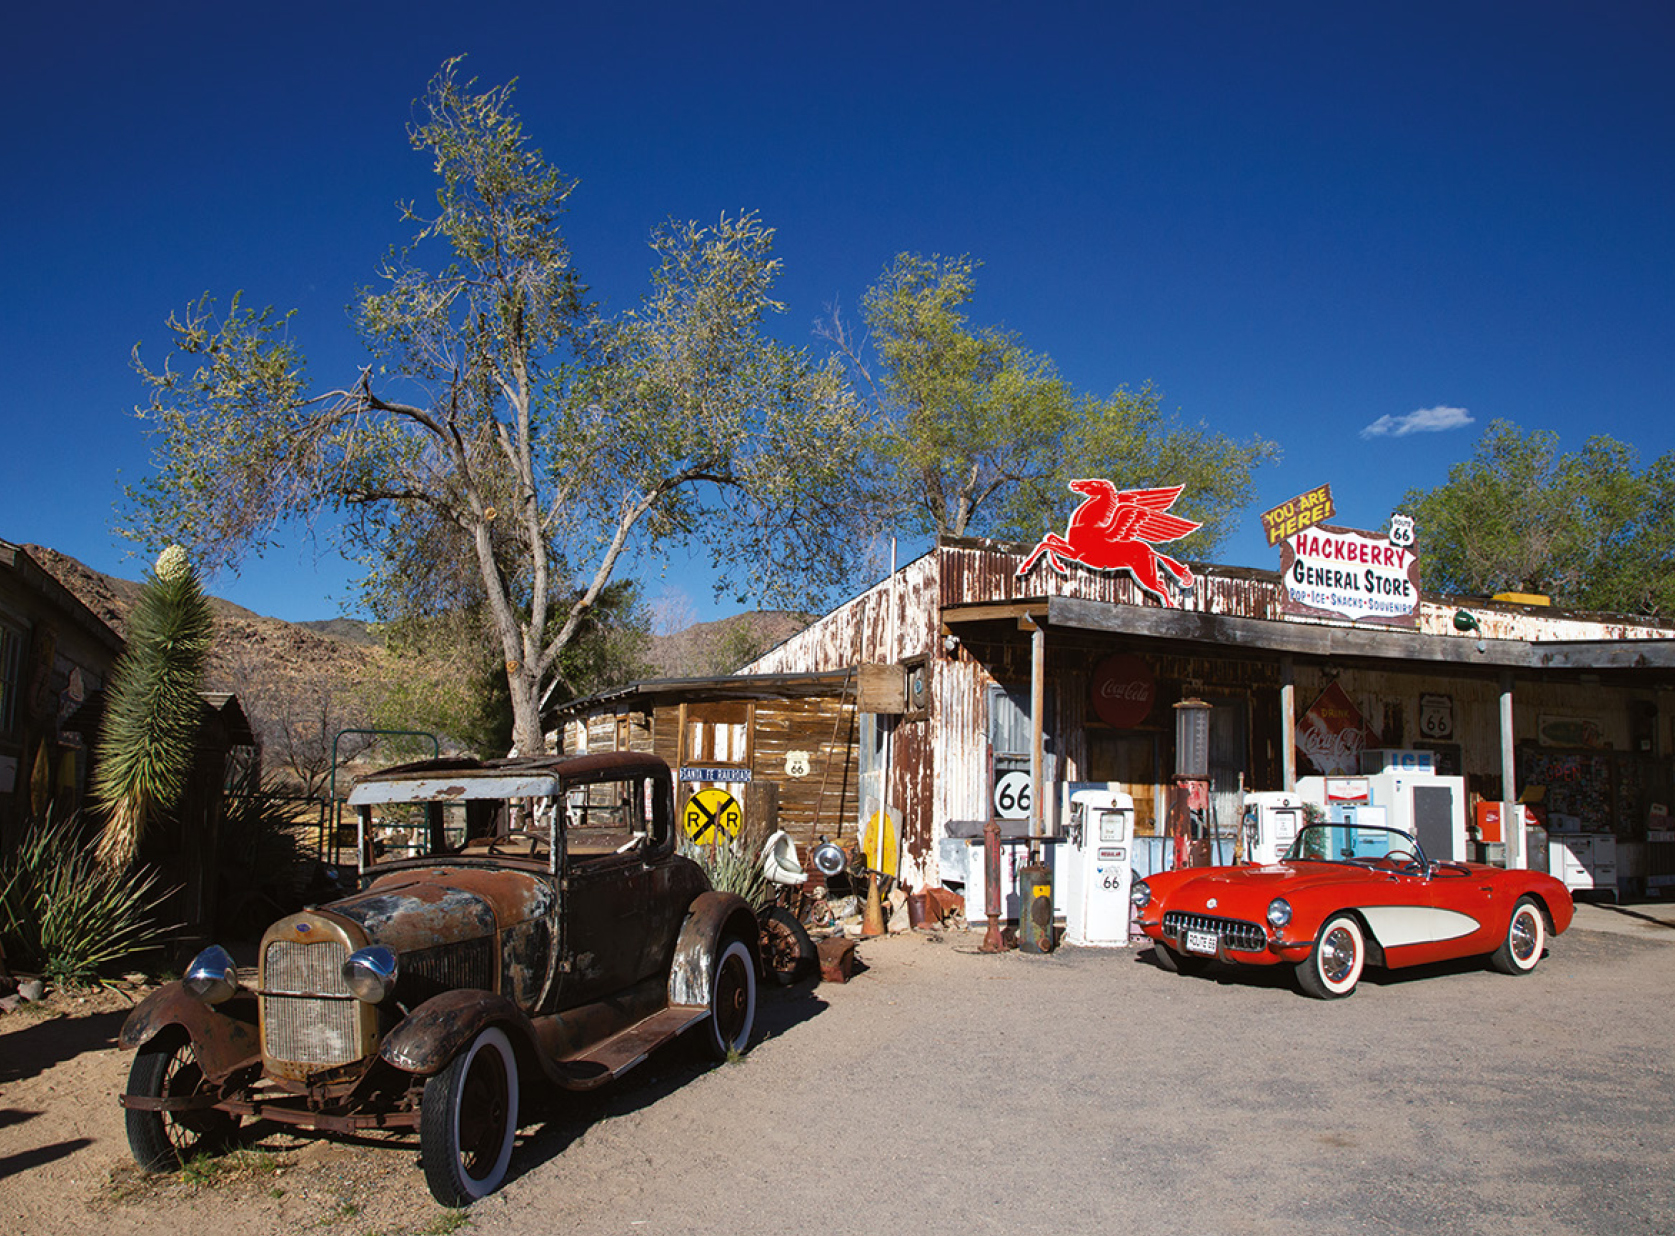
(467, 1120)
(1333, 968)
(732, 1000)
(1526, 936)
(787, 951)
(165, 1068)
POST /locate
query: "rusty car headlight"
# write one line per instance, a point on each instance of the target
(211, 977)
(1140, 894)
(1279, 913)
(370, 973)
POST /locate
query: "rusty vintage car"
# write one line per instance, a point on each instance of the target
(518, 921)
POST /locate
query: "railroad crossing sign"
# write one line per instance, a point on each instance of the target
(711, 816)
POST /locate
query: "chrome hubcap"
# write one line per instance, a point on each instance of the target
(1524, 935)
(1337, 955)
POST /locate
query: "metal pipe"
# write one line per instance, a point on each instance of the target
(992, 943)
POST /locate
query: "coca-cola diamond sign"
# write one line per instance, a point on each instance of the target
(1123, 691)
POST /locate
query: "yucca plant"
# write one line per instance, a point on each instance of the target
(732, 868)
(152, 710)
(65, 913)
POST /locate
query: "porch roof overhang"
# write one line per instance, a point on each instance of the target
(651, 691)
(1257, 636)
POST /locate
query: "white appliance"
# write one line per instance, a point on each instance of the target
(1421, 804)
(1272, 818)
(1014, 855)
(1585, 862)
(1095, 864)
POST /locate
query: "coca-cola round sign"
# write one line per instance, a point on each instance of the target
(1123, 690)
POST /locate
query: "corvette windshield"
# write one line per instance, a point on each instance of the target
(1351, 843)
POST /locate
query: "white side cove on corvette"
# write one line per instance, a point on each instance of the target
(1398, 925)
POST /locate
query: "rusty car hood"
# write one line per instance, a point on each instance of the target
(424, 907)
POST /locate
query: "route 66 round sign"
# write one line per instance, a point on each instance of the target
(1012, 796)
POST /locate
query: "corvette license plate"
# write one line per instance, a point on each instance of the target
(1201, 942)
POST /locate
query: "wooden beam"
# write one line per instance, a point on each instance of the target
(1304, 639)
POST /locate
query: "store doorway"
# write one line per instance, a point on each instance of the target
(1129, 757)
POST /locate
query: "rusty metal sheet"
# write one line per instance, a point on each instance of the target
(448, 789)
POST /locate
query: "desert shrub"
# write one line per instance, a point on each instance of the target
(66, 914)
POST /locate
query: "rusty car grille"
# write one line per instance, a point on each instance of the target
(308, 1015)
(1235, 933)
(305, 969)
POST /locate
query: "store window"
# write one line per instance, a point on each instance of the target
(11, 670)
(1010, 729)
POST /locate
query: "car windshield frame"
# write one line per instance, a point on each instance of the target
(1360, 845)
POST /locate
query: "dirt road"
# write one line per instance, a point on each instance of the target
(947, 1091)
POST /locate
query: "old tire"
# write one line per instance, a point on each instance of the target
(787, 951)
(1526, 937)
(1175, 963)
(162, 1141)
(732, 1000)
(1333, 967)
(468, 1117)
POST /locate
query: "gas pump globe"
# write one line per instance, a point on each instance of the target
(1190, 801)
(1192, 740)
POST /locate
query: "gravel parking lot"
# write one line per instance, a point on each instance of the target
(947, 1091)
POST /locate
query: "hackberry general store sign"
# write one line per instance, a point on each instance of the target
(1344, 573)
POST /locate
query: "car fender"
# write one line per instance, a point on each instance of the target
(222, 1039)
(440, 1028)
(711, 917)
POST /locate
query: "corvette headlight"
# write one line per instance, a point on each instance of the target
(1279, 912)
(1140, 894)
(370, 973)
(211, 977)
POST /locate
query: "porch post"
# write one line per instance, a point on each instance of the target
(1288, 722)
(1037, 728)
(1511, 822)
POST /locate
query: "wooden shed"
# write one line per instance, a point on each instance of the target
(781, 747)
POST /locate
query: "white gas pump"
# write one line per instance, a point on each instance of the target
(1095, 864)
(1272, 820)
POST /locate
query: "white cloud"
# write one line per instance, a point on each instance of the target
(1426, 420)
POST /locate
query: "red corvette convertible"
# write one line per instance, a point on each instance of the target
(1345, 897)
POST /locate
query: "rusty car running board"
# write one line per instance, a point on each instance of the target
(614, 1056)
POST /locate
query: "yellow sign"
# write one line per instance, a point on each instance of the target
(883, 854)
(711, 816)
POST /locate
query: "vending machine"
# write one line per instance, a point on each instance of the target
(1419, 802)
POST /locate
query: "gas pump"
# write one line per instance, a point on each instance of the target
(1096, 864)
(1272, 820)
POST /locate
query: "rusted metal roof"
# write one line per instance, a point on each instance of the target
(449, 780)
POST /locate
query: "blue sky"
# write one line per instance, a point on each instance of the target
(1305, 221)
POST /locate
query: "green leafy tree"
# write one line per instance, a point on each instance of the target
(503, 433)
(978, 435)
(149, 738)
(442, 674)
(1589, 529)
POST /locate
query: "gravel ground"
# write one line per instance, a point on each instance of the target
(945, 1090)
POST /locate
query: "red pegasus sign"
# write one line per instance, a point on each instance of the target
(1119, 531)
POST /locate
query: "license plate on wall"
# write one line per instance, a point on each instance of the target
(1201, 942)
